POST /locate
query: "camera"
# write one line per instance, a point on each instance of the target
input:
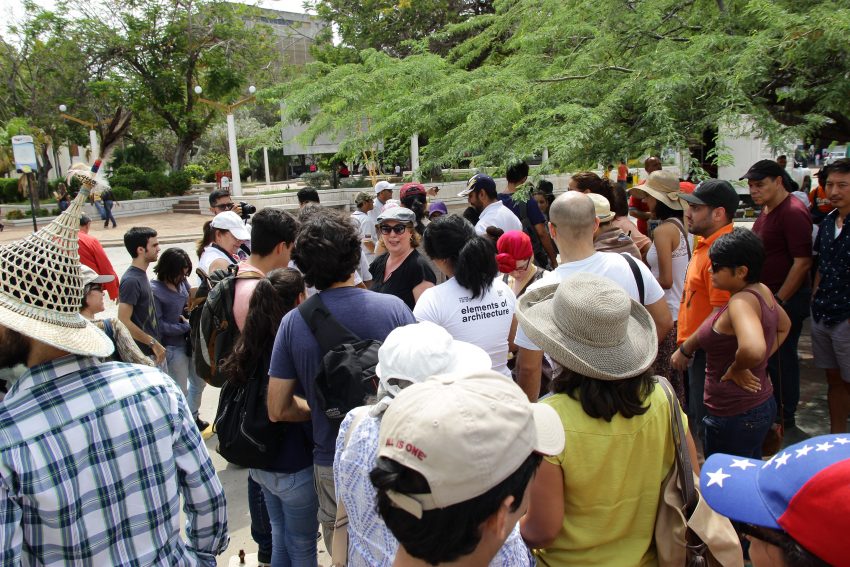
(247, 210)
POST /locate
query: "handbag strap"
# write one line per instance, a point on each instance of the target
(683, 457)
(339, 549)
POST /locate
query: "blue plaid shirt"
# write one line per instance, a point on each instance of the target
(94, 458)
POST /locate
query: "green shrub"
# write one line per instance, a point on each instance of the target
(130, 176)
(41, 213)
(356, 182)
(196, 172)
(122, 193)
(15, 214)
(158, 184)
(141, 195)
(179, 182)
(316, 179)
(9, 191)
(209, 176)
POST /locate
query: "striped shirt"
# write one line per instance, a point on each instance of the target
(94, 459)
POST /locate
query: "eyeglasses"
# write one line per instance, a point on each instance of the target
(398, 228)
(225, 206)
(524, 266)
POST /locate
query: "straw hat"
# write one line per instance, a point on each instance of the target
(602, 207)
(588, 324)
(41, 287)
(664, 186)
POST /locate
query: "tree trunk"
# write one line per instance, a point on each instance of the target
(184, 144)
(43, 170)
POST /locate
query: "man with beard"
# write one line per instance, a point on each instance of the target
(95, 457)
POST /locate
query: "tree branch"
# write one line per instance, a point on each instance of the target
(585, 76)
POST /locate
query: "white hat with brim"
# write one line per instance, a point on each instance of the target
(588, 324)
(228, 220)
(602, 207)
(91, 277)
(663, 186)
(41, 286)
(383, 186)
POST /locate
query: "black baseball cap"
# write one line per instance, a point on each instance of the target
(714, 193)
(764, 168)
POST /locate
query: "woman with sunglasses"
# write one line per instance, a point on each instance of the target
(125, 347)
(401, 270)
(737, 342)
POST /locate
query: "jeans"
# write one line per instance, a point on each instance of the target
(100, 210)
(741, 434)
(785, 362)
(696, 392)
(182, 370)
(261, 527)
(323, 478)
(107, 216)
(292, 505)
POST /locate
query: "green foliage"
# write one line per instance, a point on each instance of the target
(179, 183)
(317, 179)
(130, 176)
(139, 155)
(355, 182)
(196, 172)
(141, 194)
(591, 81)
(122, 193)
(17, 214)
(132, 180)
(9, 191)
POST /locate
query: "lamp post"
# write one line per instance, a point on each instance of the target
(95, 147)
(236, 181)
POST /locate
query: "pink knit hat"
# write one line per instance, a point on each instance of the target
(513, 246)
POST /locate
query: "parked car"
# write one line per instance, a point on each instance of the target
(835, 153)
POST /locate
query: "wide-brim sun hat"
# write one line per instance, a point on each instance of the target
(664, 186)
(41, 284)
(588, 324)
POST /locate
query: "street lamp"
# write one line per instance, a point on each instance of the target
(95, 147)
(235, 181)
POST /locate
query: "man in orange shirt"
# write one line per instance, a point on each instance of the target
(712, 208)
(622, 174)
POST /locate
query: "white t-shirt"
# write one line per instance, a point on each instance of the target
(484, 321)
(210, 255)
(367, 231)
(609, 264)
(498, 215)
(672, 296)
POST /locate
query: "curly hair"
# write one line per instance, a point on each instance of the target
(327, 248)
(274, 296)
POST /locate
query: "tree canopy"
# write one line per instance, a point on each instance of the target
(589, 80)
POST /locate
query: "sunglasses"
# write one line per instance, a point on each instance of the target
(398, 229)
(225, 206)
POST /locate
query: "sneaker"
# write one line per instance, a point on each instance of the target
(264, 559)
(201, 424)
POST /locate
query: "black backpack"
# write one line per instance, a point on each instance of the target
(212, 329)
(246, 436)
(540, 256)
(346, 378)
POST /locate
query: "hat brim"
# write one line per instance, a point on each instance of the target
(87, 340)
(102, 278)
(737, 496)
(755, 176)
(609, 217)
(240, 233)
(382, 189)
(690, 198)
(465, 358)
(548, 430)
(632, 357)
(465, 192)
(661, 196)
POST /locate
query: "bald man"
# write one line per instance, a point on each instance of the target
(572, 222)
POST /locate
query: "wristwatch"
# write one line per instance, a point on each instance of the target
(153, 342)
(682, 350)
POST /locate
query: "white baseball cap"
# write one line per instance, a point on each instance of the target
(228, 220)
(383, 186)
(465, 433)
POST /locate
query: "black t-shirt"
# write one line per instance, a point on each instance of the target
(412, 272)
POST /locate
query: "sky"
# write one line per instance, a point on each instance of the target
(12, 11)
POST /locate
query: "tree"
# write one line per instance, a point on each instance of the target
(158, 51)
(591, 80)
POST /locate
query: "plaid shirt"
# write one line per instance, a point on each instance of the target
(94, 458)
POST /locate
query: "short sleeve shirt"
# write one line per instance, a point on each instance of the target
(412, 272)
(787, 234)
(831, 303)
(700, 297)
(135, 290)
(535, 215)
(296, 354)
(498, 215)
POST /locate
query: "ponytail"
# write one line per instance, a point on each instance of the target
(206, 238)
(476, 265)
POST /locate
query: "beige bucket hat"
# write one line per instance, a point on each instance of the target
(664, 186)
(588, 324)
(41, 284)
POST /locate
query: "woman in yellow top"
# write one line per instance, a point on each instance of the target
(595, 503)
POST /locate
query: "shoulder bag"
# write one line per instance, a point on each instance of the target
(688, 533)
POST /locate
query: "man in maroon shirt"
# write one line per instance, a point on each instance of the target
(785, 228)
(94, 256)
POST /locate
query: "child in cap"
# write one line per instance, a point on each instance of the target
(794, 508)
(452, 488)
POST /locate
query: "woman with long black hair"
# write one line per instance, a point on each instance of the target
(287, 485)
(473, 305)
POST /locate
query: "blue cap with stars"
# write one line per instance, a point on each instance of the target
(803, 490)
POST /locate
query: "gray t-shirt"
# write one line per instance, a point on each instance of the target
(135, 290)
(297, 355)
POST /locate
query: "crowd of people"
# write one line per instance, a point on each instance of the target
(518, 412)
